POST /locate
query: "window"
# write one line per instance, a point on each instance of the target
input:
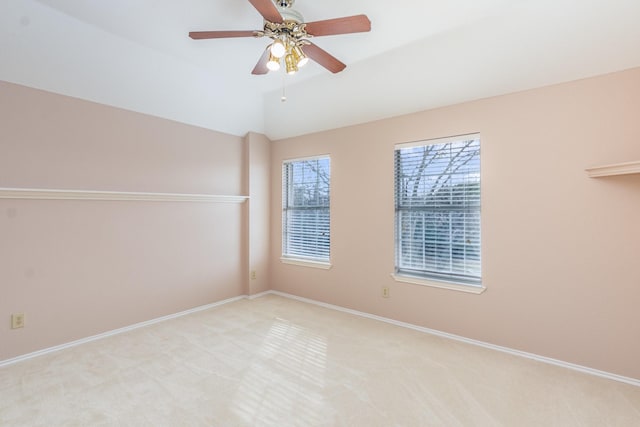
(437, 198)
(305, 209)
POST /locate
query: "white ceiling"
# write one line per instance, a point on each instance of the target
(420, 54)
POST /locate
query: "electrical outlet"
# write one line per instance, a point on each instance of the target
(385, 292)
(17, 320)
(254, 275)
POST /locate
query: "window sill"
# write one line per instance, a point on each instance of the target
(471, 289)
(306, 263)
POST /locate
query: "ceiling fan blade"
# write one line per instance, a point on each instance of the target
(268, 10)
(346, 25)
(200, 35)
(323, 58)
(261, 66)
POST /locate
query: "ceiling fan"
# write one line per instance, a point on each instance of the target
(290, 35)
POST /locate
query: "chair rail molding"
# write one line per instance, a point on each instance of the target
(57, 194)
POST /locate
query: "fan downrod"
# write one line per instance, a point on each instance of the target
(285, 3)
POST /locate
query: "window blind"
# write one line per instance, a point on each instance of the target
(437, 198)
(305, 205)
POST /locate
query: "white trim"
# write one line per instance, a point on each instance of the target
(445, 140)
(306, 263)
(471, 289)
(615, 169)
(50, 194)
(258, 295)
(543, 359)
(115, 332)
(302, 159)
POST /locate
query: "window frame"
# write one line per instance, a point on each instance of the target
(288, 256)
(422, 276)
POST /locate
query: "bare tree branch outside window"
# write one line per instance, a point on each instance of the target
(306, 219)
(438, 210)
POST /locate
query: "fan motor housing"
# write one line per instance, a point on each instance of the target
(287, 12)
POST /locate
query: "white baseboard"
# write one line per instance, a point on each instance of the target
(260, 294)
(115, 332)
(543, 359)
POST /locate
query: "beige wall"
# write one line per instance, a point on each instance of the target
(258, 171)
(560, 250)
(78, 268)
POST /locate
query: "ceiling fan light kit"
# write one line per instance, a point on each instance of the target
(274, 63)
(290, 34)
(278, 48)
(299, 56)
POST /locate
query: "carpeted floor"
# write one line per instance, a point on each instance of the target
(273, 361)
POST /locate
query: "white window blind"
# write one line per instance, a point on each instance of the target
(305, 209)
(437, 197)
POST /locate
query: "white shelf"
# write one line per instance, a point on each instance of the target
(49, 194)
(615, 169)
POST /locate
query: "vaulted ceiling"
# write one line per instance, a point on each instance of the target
(420, 54)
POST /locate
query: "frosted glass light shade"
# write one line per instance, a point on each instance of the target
(299, 56)
(278, 49)
(274, 63)
(290, 63)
